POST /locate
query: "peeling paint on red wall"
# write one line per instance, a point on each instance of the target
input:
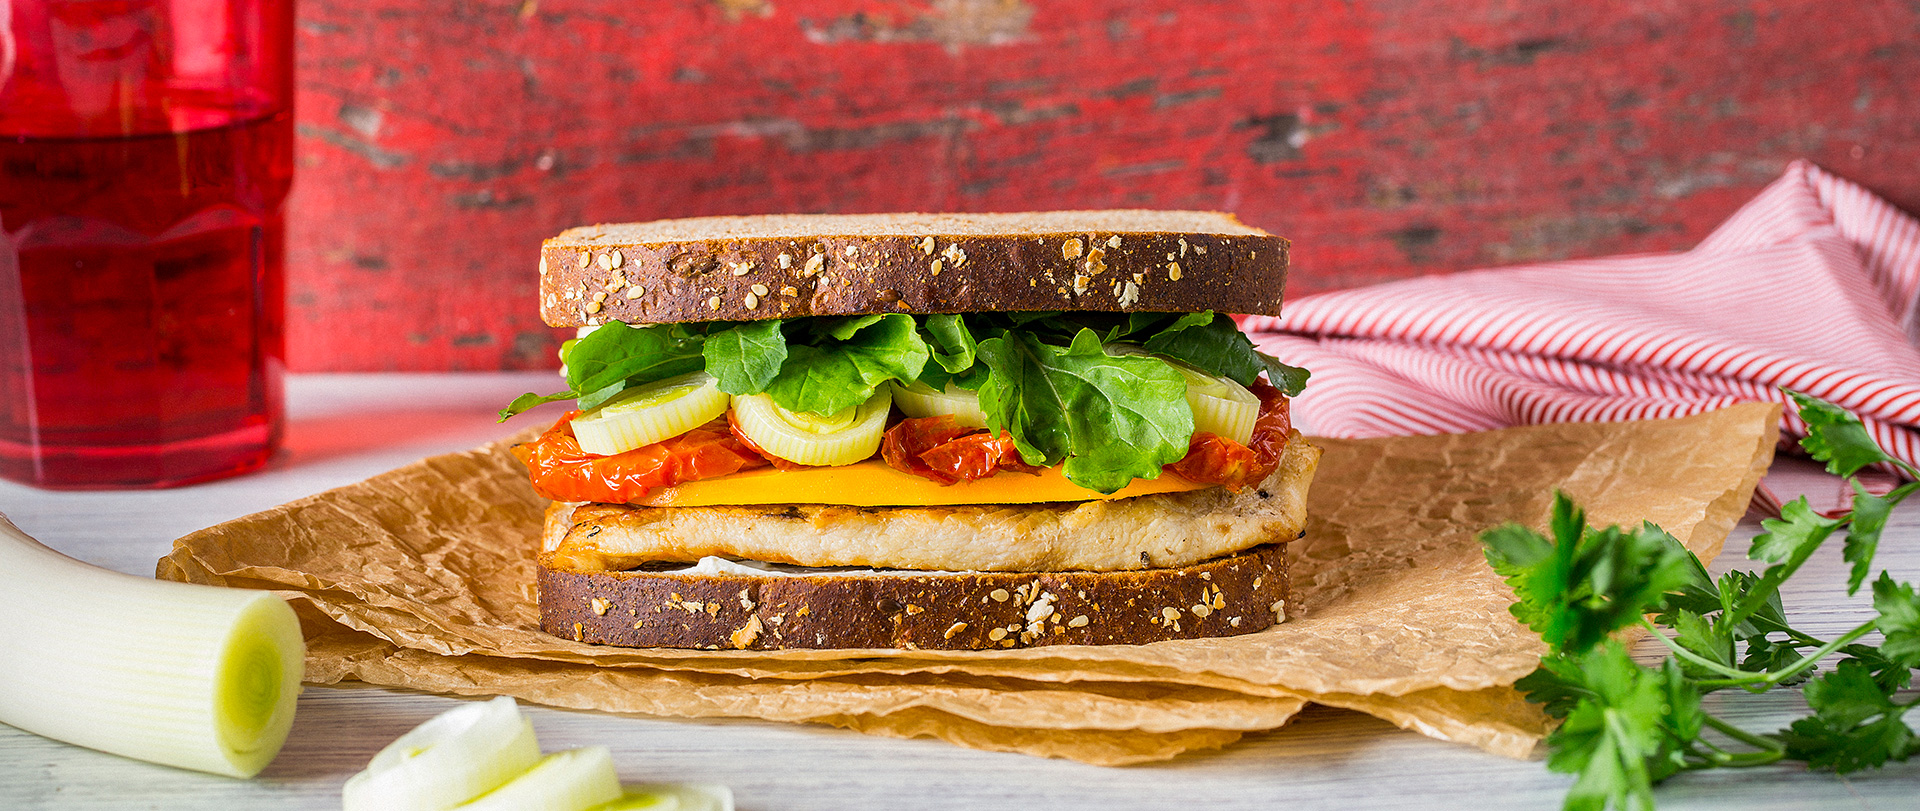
(440, 142)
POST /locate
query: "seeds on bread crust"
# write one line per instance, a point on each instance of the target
(1226, 266)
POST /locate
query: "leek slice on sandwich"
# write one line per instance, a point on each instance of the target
(813, 439)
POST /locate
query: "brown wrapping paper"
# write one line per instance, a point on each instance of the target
(421, 578)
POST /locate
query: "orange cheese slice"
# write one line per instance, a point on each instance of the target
(873, 484)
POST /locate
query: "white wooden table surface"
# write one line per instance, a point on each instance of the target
(346, 427)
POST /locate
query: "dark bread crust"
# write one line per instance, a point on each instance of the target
(739, 278)
(1226, 596)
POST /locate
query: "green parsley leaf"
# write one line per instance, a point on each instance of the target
(1763, 654)
(1870, 514)
(1890, 675)
(1837, 437)
(1585, 583)
(1629, 731)
(1899, 620)
(744, 358)
(1855, 724)
(1699, 634)
(1795, 534)
(1112, 419)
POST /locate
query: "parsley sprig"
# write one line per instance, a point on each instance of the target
(1626, 726)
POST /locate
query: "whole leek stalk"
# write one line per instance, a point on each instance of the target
(197, 677)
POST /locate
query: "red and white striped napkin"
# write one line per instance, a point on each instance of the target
(1811, 286)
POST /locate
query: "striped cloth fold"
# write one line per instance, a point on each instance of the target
(1810, 286)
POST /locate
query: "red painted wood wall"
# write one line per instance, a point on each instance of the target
(440, 141)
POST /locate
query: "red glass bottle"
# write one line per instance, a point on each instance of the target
(145, 154)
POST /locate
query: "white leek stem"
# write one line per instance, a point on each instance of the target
(183, 675)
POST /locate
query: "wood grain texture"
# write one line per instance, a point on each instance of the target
(345, 428)
(439, 143)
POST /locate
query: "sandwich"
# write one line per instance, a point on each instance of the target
(952, 431)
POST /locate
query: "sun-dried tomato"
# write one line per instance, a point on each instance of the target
(1213, 459)
(563, 472)
(943, 451)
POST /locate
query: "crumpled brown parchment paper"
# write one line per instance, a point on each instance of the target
(421, 578)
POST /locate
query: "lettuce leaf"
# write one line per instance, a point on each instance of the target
(848, 359)
(744, 358)
(1111, 419)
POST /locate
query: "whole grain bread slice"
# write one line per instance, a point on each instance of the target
(1226, 596)
(786, 266)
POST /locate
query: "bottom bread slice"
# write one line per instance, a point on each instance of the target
(1226, 596)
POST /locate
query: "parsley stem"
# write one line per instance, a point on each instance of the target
(1774, 677)
(1735, 674)
(1768, 745)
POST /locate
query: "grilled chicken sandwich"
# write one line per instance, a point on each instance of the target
(954, 431)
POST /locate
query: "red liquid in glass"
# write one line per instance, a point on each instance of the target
(141, 305)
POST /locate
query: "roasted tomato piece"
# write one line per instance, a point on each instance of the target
(943, 451)
(563, 472)
(1213, 459)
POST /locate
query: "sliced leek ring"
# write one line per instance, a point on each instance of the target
(1220, 406)
(452, 758)
(917, 399)
(673, 797)
(574, 780)
(811, 439)
(647, 414)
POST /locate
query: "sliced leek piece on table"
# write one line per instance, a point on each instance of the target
(647, 414)
(813, 439)
(673, 797)
(454, 757)
(198, 677)
(574, 780)
(917, 399)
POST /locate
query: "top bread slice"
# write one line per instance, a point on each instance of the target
(787, 266)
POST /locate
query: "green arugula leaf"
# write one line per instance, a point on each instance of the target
(1290, 380)
(1899, 620)
(744, 358)
(1112, 419)
(862, 354)
(616, 356)
(1855, 724)
(1870, 514)
(1585, 583)
(529, 400)
(1211, 342)
(1837, 437)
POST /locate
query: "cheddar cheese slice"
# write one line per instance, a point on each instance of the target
(873, 484)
